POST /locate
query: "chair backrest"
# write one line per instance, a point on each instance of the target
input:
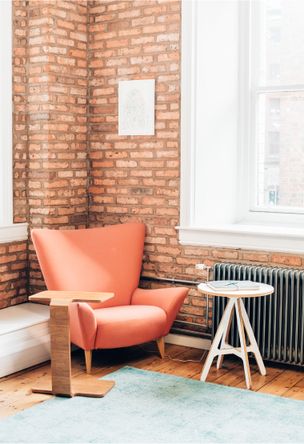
(94, 259)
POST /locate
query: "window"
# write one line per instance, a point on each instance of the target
(273, 144)
(277, 108)
(242, 124)
(274, 71)
(8, 231)
(274, 35)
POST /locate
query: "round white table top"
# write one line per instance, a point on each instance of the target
(264, 290)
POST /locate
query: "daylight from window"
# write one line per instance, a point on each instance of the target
(278, 87)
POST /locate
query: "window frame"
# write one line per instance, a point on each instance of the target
(248, 210)
(9, 231)
(243, 232)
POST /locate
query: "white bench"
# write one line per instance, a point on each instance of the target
(24, 337)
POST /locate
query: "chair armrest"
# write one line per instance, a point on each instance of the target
(169, 299)
(83, 325)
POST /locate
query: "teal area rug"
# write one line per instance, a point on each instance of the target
(149, 407)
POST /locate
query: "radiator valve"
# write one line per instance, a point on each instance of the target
(204, 267)
(201, 267)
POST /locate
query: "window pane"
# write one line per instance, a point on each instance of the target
(280, 150)
(280, 40)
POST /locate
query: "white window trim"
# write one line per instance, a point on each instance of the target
(9, 232)
(236, 235)
(247, 237)
(248, 211)
(13, 233)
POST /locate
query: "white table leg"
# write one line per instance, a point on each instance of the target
(217, 338)
(243, 343)
(253, 342)
(220, 358)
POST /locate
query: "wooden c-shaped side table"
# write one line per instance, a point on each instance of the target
(61, 383)
(219, 346)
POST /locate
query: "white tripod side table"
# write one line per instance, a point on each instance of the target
(219, 346)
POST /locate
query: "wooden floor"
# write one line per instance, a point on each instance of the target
(15, 390)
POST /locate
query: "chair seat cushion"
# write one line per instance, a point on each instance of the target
(127, 325)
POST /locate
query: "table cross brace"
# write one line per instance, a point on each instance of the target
(220, 347)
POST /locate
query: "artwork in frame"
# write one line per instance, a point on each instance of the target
(136, 107)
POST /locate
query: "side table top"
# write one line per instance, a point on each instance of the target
(264, 290)
(71, 296)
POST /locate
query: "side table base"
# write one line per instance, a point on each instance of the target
(220, 347)
(86, 386)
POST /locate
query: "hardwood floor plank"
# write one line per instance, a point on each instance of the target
(295, 393)
(259, 381)
(228, 366)
(16, 395)
(233, 378)
(282, 383)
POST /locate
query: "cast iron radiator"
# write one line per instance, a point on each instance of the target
(277, 320)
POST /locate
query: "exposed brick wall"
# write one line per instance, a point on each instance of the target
(68, 59)
(57, 118)
(20, 33)
(13, 273)
(13, 256)
(50, 125)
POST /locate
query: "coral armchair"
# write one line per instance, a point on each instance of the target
(107, 259)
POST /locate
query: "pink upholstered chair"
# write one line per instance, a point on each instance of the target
(107, 259)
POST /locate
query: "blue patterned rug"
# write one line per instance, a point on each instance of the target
(150, 407)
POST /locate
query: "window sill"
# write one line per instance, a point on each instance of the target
(13, 233)
(249, 237)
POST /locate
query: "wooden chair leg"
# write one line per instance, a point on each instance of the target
(88, 360)
(161, 346)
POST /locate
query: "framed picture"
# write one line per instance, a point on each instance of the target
(136, 107)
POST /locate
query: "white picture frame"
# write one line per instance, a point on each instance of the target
(136, 107)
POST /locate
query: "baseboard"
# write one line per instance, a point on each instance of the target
(188, 341)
